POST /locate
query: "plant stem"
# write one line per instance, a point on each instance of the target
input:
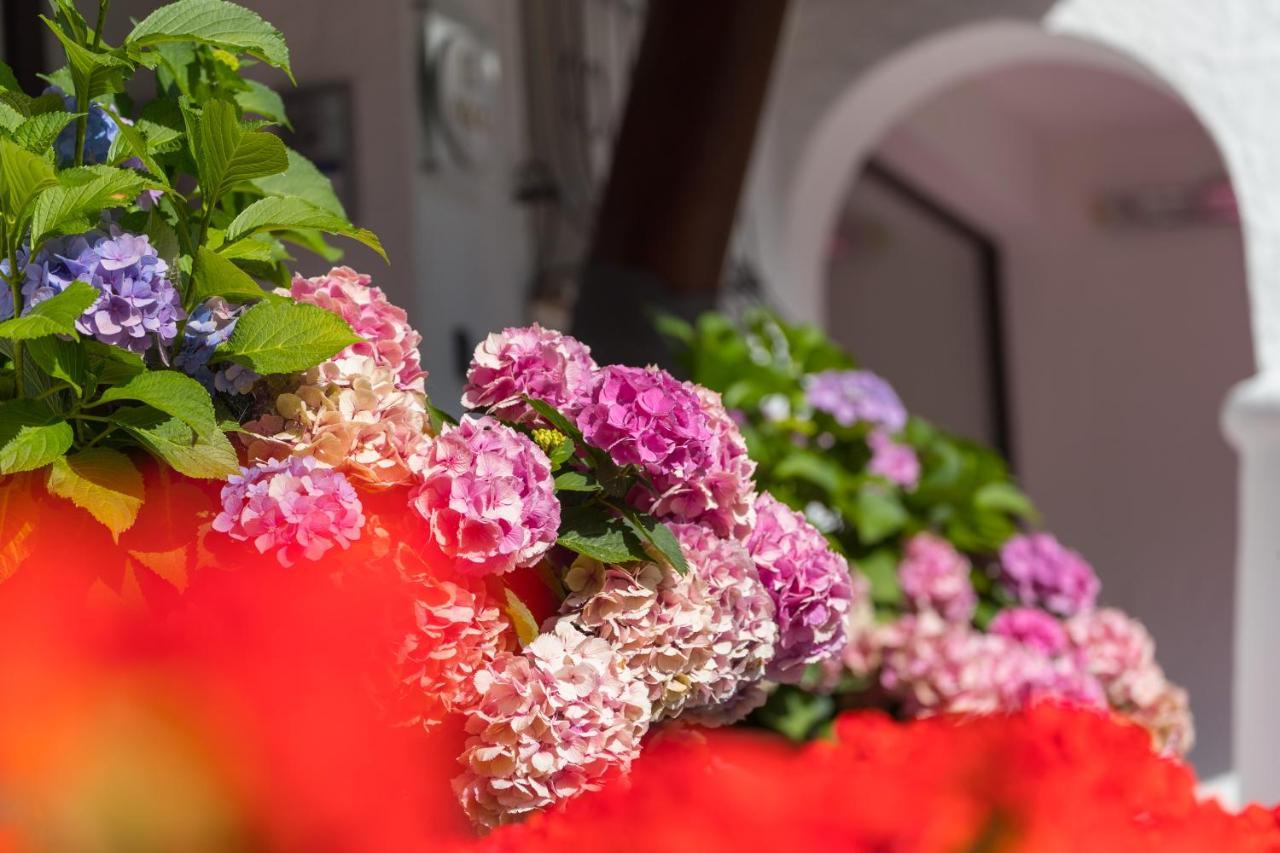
(82, 94)
(103, 5)
(53, 389)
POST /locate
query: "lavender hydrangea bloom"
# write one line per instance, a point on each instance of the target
(809, 584)
(210, 325)
(137, 306)
(854, 396)
(100, 133)
(1040, 571)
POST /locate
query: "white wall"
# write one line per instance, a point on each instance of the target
(1121, 346)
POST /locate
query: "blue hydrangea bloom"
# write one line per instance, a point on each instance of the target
(100, 133)
(6, 292)
(852, 396)
(211, 323)
(138, 305)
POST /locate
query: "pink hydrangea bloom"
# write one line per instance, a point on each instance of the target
(348, 413)
(722, 495)
(1030, 626)
(529, 361)
(1120, 653)
(552, 722)
(809, 584)
(661, 624)
(456, 632)
(862, 650)
(1040, 571)
(293, 508)
(388, 338)
(487, 493)
(644, 416)
(935, 576)
(744, 631)
(896, 462)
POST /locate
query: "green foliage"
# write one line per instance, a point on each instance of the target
(223, 196)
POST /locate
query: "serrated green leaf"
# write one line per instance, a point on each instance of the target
(97, 72)
(663, 545)
(216, 23)
(264, 101)
(133, 139)
(37, 134)
(225, 155)
(60, 359)
(576, 481)
(279, 336)
(303, 180)
(64, 209)
(10, 117)
(202, 454)
(590, 531)
(31, 436)
(8, 82)
(288, 214)
(214, 275)
(259, 248)
(23, 175)
(102, 481)
(168, 391)
(553, 416)
(56, 315)
(111, 365)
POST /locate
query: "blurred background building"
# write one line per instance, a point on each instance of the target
(1031, 234)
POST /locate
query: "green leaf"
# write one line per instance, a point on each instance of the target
(303, 180)
(881, 568)
(168, 391)
(576, 481)
(31, 436)
(1004, 497)
(590, 531)
(279, 336)
(216, 23)
(66, 208)
(37, 134)
(203, 454)
(8, 82)
(102, 481)
(10, 118)
(60, 359)
(263, 101)
(111, 365)
(98, 72)
(553, 416)
(226, 155)
(136, 141)
(288, 214)
(806, 465)
(261, 248)
(214, 275)
(663, 546)
(56, 315)
(22, 176)
(877, 515)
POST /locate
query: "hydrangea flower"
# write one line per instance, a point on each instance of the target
(935, 576)
(137, 306)
(1032, 627)
(1040, 571)
(457, 631)
(293, 508)
(487, 494)
(100, 133)
(644, 416)
(809, 584)
(722, 495)
(349, 413)
(388, 339)
(529, 361)
(744, 632)
(896, 462)
(856, 396)
(210, 325)
(661, 624)
(552, 722)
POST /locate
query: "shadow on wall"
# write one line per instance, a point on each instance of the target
(1101, 336)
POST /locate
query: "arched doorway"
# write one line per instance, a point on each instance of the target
(1120, 318)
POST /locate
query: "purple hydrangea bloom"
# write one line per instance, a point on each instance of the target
(1040, 571)
(1031, 627)
(644, 416)
(138, 305)
(100, 133)
(854, 396)
(935, 576)
(210, 325)
(809, 584)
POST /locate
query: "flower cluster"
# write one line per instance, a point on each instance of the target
(896, 462)
(292, 508)
(100, 133)
(935, 576)
(211, 324)
(551, 723)
(529, 362)
(809, 584)
(387, 338)
(487, 495)
(643, 416)
(1039, 571)
(856, 396)
(137, 307)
